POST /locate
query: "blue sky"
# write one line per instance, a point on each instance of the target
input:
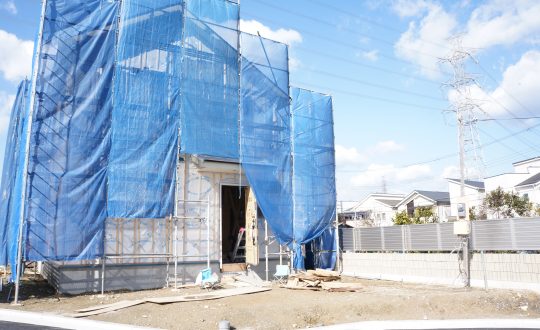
(380, 61)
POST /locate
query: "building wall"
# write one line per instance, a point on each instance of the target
(505, 271)
(532, 166)
(533, 193)
(473, 197)
(380, 213)
(442, 211)
(506, 181)
(156, 236)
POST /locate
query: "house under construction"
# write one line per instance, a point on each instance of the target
(155, 139)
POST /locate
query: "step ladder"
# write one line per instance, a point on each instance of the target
(240, 245)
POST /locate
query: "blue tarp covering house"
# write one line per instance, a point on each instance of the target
(122, 90)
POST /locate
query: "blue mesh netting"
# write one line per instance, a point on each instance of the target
(146, 104)
(69, 144)
(265, 148)
(209, 116)
(9, 217)
(314, 165)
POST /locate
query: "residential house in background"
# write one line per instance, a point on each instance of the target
(524, 181)
(474, 194)
(523, 170)
(530, 188)
(438, 201)
(376, 210)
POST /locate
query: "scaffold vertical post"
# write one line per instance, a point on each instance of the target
(175, 251)
(103, 260)
(208, 232)
(266, 248)
(27, 151)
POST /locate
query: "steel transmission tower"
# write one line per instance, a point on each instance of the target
(466, 109)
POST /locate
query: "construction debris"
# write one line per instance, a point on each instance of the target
(320, 279)
(100, 309)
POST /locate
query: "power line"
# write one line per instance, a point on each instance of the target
(367, 83)
(345, 44)
(497, 140)
(310, 85)
(372, 22)
(318, 20)
(373, 67)
(515, 118)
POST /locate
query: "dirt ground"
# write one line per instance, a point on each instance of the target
(288, 309)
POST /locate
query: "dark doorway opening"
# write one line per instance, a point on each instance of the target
(233, 222)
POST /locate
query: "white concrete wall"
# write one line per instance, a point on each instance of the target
(505, 271)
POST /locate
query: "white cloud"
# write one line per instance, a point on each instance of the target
(372, 55)
(16, 56)
(348, 156)
(286, 36)
(351, 156)
(493, 23)
(389, 146)
(294, 63)
(413, 172)
(408, 8)
(450, 172)
(422, 43)
(391, 174)
(6, 102)
(517, 94)
(9, 6)
(500, 22)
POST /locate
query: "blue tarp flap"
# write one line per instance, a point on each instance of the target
(209, 116)
(265, 148)
(314, 166)
(69, 144)
(146, 105)
(9, 218)
(325, 248)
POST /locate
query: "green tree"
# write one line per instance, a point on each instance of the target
(519, 205)
(424, 214)
(472, 213)
(507, 204)
(495, 201)
(401, 218)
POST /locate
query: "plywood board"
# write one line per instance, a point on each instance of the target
(252, 244)
(100, 309)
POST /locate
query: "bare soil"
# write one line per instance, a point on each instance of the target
(287, 309)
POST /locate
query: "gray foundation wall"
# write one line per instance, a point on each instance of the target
(86, 278)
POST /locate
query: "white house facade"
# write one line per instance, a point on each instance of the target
(524, 181)
(376, 210)
(438, 201)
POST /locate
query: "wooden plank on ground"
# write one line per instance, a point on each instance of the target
(100, 309)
